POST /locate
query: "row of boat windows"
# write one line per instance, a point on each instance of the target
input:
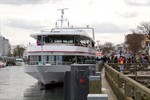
(77, 40)
(57, 59)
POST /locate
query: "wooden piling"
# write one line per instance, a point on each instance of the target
(95, 84)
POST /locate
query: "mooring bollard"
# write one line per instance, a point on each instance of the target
(97, 97)
(78, 82)
(95, 84)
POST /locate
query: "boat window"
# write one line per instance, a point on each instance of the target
(51, 59)
(83, 41)
(68, 39)
(43, 58)
(34, 59)
(58, 59)
(58, 39)
(48, 39)
(74, 59)
(80, 59)
(65, 41)
(40, 40)
(69, 59)
(77, 40)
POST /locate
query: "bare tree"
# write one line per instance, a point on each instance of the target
(134, 42)
(18, 51)
(107, 47)
(144, 28)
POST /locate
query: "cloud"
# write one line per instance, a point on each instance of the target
(24, 24)
(137, 2)
(108, 28)
(127, 14)
(22, 2)
(36, 25)
(114, 38)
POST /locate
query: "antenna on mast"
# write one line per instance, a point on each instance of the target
(62, 16)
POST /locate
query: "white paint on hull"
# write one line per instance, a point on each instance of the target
(47, 73)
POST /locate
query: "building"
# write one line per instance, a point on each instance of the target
(145, 50)
(146, 45)
(5, 47)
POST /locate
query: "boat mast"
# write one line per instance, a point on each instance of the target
(62, 17)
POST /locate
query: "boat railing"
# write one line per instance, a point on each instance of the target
(77, 28)
(48, 63)
(65, 44)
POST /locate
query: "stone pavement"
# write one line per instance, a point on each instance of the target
(106, 89)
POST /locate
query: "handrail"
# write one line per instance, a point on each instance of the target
(129, 64)
(62, 44)
(80, 28)
(50, 62)
(120, 79)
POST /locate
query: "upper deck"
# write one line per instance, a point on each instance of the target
(60, 49)
(64, 31)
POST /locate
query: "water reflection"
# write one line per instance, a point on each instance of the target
(16, 85)
(34, 93)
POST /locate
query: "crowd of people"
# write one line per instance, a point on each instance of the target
(140, 58)
(121, 60)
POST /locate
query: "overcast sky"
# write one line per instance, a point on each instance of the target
(111, 19)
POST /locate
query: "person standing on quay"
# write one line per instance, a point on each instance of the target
(121, 64)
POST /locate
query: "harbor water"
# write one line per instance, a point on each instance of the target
(17, 85)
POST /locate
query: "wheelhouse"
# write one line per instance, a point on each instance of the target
(76, 40)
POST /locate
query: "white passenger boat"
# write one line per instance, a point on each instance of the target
(56, 49)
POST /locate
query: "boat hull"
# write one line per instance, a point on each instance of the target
(47, 74)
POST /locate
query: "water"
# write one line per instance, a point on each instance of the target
(16, 85)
